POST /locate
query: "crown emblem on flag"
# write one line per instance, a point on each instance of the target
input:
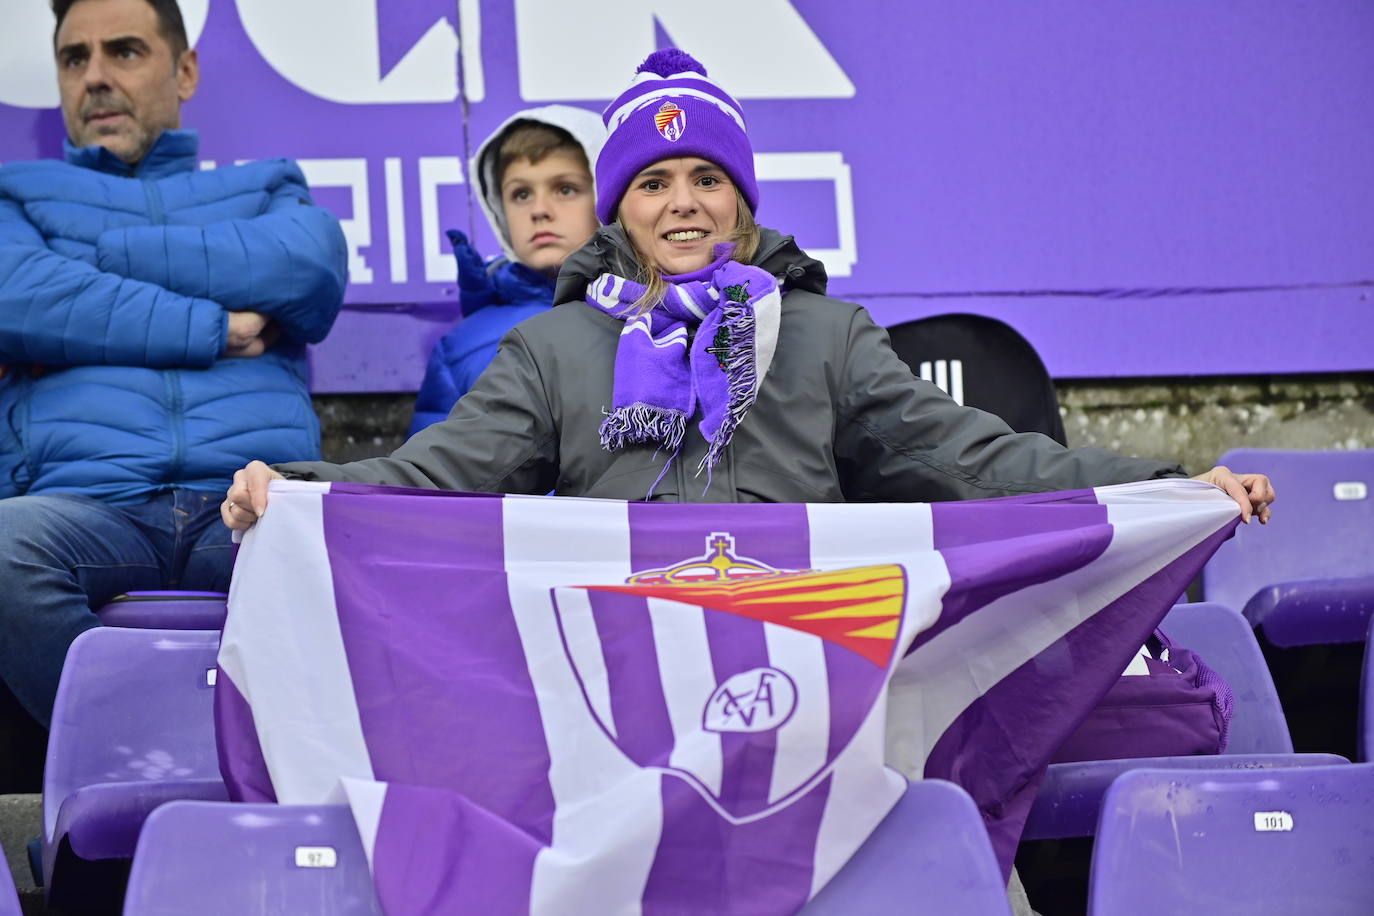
(671, 121)
(719, 563)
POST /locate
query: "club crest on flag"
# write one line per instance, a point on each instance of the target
(671, 122)
(710, 668)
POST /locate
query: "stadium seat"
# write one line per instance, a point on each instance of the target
(230, 859)
(239, 858)
(1068, 800)
(985, 363)
(1071, 796)
(132, 728)
(1236, 841)
(932, 848)
(9, 897)
(1308, 578)
(1224, 640)
(166, 610)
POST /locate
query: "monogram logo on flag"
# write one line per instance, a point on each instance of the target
(757, 700)
(671, 122)
(745, 680)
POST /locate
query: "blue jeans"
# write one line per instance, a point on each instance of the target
(62, 555)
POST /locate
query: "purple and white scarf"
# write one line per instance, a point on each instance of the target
(664, 375)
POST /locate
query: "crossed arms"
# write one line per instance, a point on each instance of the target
(172, 296)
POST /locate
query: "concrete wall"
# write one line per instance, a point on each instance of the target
(1188, 420)
(1195, 420)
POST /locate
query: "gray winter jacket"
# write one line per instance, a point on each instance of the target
(839, 417)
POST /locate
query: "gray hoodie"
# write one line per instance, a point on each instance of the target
(586, 128)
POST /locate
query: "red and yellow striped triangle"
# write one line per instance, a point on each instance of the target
(665, 115)
(860, 608)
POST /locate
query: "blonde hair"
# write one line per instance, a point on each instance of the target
(745, 237)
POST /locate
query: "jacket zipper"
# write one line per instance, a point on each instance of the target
(172, 378)
(729, 463)
(154, 194)
(172, 383)
(681, 461)
(24, 404)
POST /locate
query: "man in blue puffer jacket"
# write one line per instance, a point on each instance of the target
(153, 322)
(534, 182)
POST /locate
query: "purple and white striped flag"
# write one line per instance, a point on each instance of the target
(554, 705)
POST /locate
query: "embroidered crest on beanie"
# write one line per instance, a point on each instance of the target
(671, 121)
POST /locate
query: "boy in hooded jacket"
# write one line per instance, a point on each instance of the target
(534, 183)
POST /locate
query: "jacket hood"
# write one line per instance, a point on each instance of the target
(609, 251)
(586, 128)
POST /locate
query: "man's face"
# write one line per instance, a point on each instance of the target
(120, 86)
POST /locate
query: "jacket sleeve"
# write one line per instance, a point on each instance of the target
(438, 392)
(448, 373)
(60, 311)
(899, 438)
(290, 262)
(500, 438)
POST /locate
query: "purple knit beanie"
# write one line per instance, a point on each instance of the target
(671, 110)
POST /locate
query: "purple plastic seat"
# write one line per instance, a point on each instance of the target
(9, 897)
(1069, 798)
(931, 854)
(1308, 577)
(302, 859)
(1223, 638)
(132, 728)
(1237, 841)
(230, 859)
(166, 610)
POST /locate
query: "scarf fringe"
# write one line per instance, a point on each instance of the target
(639, 423)
(741, 370)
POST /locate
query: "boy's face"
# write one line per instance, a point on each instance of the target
(550, 209)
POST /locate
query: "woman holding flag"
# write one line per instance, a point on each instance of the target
(696, 358)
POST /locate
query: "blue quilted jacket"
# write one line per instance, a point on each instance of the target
(494, 298)
(114, 288)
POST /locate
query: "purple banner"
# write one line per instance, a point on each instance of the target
(1139, 189)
